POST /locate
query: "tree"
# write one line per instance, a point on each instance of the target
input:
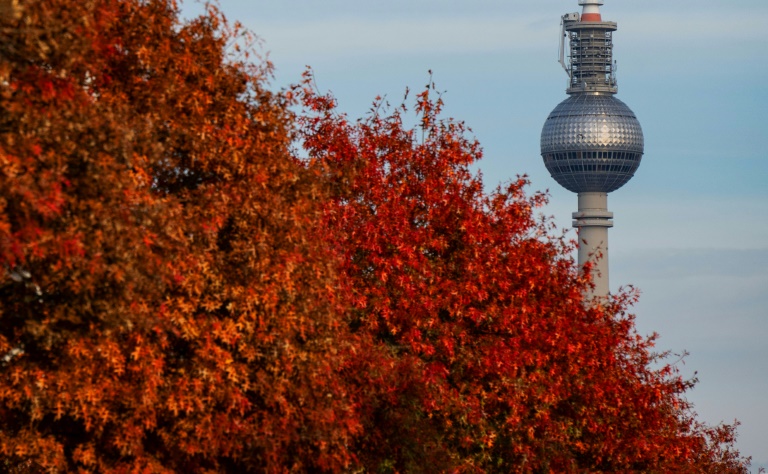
(179, 293)
(167, 304)
(479, 352)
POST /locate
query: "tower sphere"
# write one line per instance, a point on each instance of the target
(592, 143)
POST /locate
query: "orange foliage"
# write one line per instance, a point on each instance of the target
(480, 353)
(166, 303)
(178, 293)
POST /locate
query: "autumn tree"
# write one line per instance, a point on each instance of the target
(178, 293)
(166, 304)
(477, 351)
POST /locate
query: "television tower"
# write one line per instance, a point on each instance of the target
(592, 142)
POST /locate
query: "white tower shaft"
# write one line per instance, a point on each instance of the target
(593, 221)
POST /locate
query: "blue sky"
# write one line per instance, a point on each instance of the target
(691, 229)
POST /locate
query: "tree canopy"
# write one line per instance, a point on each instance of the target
(166, 303)
(499, 362)
(183, 290)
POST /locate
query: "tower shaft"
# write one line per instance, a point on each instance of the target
(592, 222)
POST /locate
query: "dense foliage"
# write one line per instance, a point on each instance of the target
(166, 304)
(180, 293)
(481, 353)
